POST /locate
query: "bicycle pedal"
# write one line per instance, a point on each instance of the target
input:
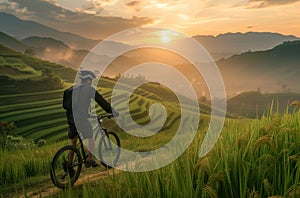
(91, 163)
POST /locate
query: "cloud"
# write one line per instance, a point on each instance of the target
(267, 3)
(85, 21)
(134, 4)
(6, 6)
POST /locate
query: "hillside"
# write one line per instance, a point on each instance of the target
(41, 43)
(55, 51)
(24, 73)
(255, 104)
(31, 99)
(12, 43)
(273, 70)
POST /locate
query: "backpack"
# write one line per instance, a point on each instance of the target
(67, 99)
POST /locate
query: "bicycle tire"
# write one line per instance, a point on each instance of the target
(109, 159)
(60, 174)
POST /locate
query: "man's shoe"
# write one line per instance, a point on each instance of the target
(91, 163)
(71, 172)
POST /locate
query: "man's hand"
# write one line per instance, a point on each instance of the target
(115, 113)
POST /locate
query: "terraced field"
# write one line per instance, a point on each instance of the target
(40, 115)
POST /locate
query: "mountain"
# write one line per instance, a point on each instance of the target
(277, 69)
(226, 45)
(21, 29)
(255, 104)
(20, 73)
(58, 52)
(40, 43)
(12, 43)
(46, 48)
(55, 51)
(223, 45)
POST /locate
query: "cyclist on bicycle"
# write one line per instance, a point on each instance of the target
(76, 102)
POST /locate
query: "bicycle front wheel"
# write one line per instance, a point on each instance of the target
(66, 166)
(109, 149)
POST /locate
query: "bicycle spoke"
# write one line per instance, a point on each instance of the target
(66, 166)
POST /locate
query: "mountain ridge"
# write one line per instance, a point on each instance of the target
(230, 43)
(276, 69)
(21, 29)
(220, 46)
(11, 42)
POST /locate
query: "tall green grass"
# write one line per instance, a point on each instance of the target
(16, 165)
(252, 158)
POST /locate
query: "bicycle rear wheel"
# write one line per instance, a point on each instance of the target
(109, 149)
(63, 173)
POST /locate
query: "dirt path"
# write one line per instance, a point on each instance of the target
(50, 190)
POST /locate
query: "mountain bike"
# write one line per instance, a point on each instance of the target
(67, 163)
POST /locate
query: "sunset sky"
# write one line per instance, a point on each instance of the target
(100, 18)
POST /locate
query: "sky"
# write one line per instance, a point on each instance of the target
(99, 19)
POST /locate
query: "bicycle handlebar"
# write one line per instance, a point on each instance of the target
(109, 115)
(99, 117)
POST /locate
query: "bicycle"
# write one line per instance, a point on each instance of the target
(64, 173)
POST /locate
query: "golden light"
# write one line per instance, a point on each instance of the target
(161, 5)
(165, 36)
(165, 39)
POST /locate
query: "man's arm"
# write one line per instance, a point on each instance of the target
(102, 102)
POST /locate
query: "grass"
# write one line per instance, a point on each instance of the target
(17, 166)
(252, 158)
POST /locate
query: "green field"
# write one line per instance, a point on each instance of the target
(252, 158)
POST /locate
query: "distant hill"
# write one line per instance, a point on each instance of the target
(12, 43)
(21, 73)
(40, 43)
(223, 45)
(273, 70)
(21, 29)
(255, 104)
(226, 45)
(55, 51)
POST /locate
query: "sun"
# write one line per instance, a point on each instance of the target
(165, 39)
(165, 36)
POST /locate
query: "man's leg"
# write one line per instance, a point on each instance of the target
(73, 143)
(91, 146)
(87, 128)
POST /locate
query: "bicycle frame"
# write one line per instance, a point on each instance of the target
(99, 129)
(63, 163)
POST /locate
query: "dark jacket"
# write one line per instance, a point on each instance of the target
(79, 96)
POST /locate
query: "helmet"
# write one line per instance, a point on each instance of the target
(86, 74)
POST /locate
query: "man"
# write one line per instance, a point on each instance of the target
(76, 102)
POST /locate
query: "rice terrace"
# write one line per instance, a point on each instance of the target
(257, 153)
